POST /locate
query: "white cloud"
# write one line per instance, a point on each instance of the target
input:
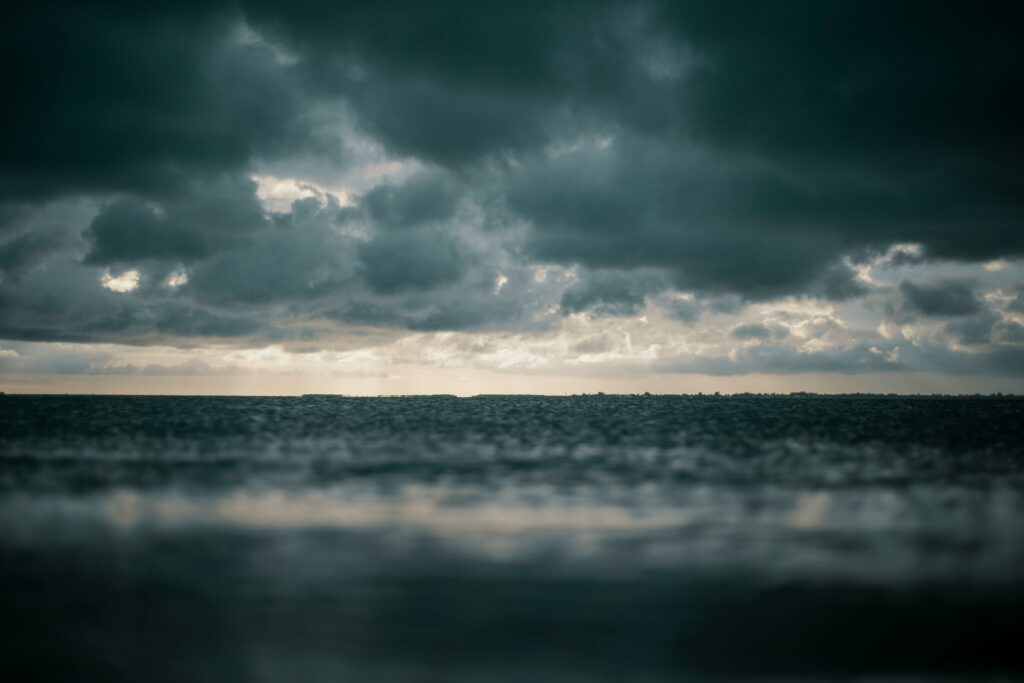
(500, 282)
(125, 282)
(278, 193)
(177, 279)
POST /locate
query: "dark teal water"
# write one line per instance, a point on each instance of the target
(511, 539)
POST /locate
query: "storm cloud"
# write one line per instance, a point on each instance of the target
(509, 167)
(943, 299)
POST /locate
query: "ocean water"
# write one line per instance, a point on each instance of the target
(597, 538)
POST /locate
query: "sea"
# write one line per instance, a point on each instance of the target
(501, 539)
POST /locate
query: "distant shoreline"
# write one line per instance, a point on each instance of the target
(599, 395)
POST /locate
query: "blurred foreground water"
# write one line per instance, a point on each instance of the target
(610, 538)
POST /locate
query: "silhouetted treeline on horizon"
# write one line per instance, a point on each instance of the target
(599, 394)
(699, 394)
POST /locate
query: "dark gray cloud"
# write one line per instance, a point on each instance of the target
(741, 154)
(23, 251)
(941, 299)
(422, 199)
(298, 259)
(265, 277)
(453, 83)
(684, 310)
(114, 96)
(903, 257)
(1005, 361)
(732, 129)
(1008, 332)
(212, 216)
(839, 283)
(974, 330)
(78, 310)
(397, 263)
(611, 292)
(1017, 304)
(10, 213)
(732, 225)
(66, 302)
(591, 345)
(751, 331)
(785, 360)
(26, 359)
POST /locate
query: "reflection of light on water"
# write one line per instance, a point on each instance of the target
(864, 533)
(809, 511)
(122, 509)
(501, 527)
(417, 507)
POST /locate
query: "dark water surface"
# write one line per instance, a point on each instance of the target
(511, 539)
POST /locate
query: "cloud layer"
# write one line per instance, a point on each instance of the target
(541, 176)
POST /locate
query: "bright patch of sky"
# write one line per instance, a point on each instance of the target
(126, 281)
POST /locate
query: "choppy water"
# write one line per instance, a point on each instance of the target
(511, 539)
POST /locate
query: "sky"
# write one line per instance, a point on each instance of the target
(264, 197)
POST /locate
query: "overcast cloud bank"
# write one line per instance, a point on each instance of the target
(560, 187)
